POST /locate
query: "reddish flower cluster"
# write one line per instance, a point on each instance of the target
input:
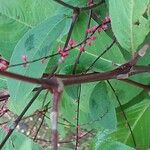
(64, 52)
(3, 64)
(103, 26)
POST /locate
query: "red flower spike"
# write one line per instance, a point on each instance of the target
(88, 30)
(93, 38)
(82, 48)
(24, 58)
(94, 28)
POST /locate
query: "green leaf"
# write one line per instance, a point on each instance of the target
(102, 141)
(123, 94)
(3, 83)
(17, 17)
(35, 44)
(101, 106)
(69, 104)
(138, 117)
(18, 141)
(130, 22)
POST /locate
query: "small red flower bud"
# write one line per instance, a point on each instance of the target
(88, 42)
(66, 48)
(64, 54)
(88, 30)
(24, 58)
(99, 29)
(3, 67)
(93, 38)
(71, 42)
(94, 28)
(104, 26)
(82, 48)
(4, 62)
(107, 18)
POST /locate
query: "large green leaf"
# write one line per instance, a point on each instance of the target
(35, 44)
(102, 141)
(100, 105)
(138, 117)
(89, 116)
(130, 21)
(17, 17)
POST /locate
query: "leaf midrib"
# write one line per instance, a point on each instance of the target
(137, 120)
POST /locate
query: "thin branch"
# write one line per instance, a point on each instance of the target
(78, 113)
(126, 119)
(92, 6)
(79, 8)
(32, 61)
(65, 4)
(86, 35)
(41, 123)
(54, 117)
(74, 19)
(16, 122)
(61, 60)
(108, 48)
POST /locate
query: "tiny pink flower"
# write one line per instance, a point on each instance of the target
(71, 42)
(104, 26)
(93, 38)
(99, 29)
(24, 58)
(66, 48)
(64, 54)
(88, 30)
(88, 42)
(94, 28)
(4, 62)
(3, 67)
(107, 19)
(82, 48)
